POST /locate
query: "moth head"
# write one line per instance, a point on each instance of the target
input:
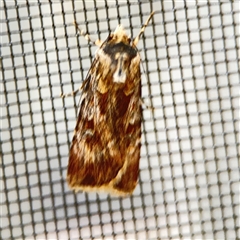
(120, 35)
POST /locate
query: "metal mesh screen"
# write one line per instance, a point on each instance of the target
(189, 169)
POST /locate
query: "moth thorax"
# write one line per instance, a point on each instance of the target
(120, 73)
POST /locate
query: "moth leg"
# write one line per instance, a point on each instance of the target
(147, 106)
(73, 93)
(135, 41)
(87, 37)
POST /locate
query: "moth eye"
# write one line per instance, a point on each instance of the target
(129, 40)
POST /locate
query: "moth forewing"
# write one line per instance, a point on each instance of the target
(105, 150)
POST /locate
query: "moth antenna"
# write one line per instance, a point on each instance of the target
(87, 37)
(135, 41)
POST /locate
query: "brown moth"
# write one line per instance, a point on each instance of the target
(105, 150)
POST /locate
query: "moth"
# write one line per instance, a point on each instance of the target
(105, 149)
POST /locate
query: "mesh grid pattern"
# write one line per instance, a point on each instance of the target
(189, 170)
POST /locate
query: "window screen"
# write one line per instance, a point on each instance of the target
(189, 169)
